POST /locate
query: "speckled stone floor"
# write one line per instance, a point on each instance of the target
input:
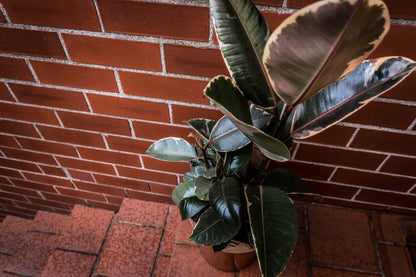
(148, 239)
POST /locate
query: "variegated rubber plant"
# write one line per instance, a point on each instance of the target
(307, 75)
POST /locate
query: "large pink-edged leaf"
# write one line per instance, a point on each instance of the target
(354, 91)
(229, 100)
(242, 34)
(322, 43)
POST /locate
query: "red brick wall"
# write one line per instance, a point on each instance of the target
(87, 85)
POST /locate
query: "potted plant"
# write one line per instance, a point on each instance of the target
(293, 83)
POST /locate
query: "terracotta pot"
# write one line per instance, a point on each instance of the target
(231, 259)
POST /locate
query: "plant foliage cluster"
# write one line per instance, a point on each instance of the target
(307, 75)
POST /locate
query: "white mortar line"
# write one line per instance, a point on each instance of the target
(118, 81)
(11, 91)
(32, 70)
(61, 39)
(162, 57)
(3, 10)
(383, 163)
(97, 9)
(403, 21)
(412, 188)
(412, 125)
(59, 119)
(352, 137)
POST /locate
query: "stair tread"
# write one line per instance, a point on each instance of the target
(49, 222)
(65, 263)
(32, 254)
(11, 231)
(130, 250)
(86, 229)
(142, 212)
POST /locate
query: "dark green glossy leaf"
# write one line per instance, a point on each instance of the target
(336, 102)
(322, 43)
(274, 226)
(201, 129)
(225, 199)
(282, 179)
(210, 173)
(183, 190)
(261, 118)
(202, 187)
(226, 137)
(189, 207)
(198, 169)
(211, 230)
(234, 161)
(230, 102)
(242, 33)
(172, 150)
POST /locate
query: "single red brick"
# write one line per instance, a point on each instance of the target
(5, 93)
(398, 42)
(119, 182)
(30, 42)
(299, 3)
(75, 76)
(86, 165)
(19, 165)
(387, 198)
(102, 124)
(91, 187)
(114, 52)
(8, 141)
(61, 182)
(274, 19)
(76, 14)
(10, 173)
(109, 156)
(181, 114)
(52, 170)
(72, 136)
(115, 200)
(81, 175)
(336, 156)
(48, 147)
(149, 197)
(405, 9)
(25, 113)
(276, 3)
(155, 19)
(400, 165)
(50, 97)
(194, 61)
(11, 68)
(80, 194)
(161, 189)
(382, 114)
(65, 199)
(175, 167)
(128, 144)
(130, 108)
(18, 128)
(155, 86)
(332, 189)
(372, 180)
(335, 135)
(154, 131)
(143, 174)
(385, 141)
(305, 170)
(28, 156)
(404, 90)
(35, 207)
